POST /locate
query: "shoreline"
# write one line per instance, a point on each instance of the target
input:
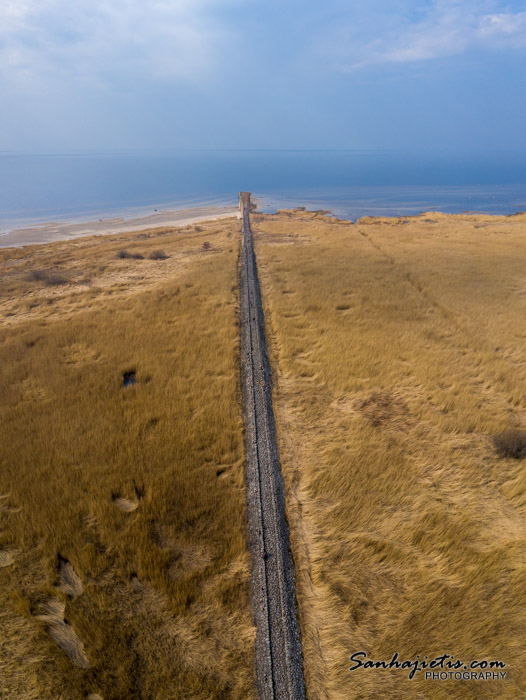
(61, 231)
(52, 231)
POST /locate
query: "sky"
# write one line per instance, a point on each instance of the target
(438, 75)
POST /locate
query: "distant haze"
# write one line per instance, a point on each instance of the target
(437, 75)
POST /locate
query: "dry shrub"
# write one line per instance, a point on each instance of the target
(382, 407)
(126, 255)
(206, 245)
(158, 255)
(48, 277)
(511, 443)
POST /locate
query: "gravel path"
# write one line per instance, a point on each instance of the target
(278, 646)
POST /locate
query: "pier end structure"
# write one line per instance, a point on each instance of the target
(244, 200)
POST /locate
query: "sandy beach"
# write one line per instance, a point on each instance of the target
(49, 232)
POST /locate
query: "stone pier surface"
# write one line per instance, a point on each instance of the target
(278, 646)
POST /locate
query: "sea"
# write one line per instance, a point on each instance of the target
(70, 187)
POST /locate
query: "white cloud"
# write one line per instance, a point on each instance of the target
(503, 25)
(448, 28)
(109, 41)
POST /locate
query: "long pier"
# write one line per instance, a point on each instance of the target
(278, 646)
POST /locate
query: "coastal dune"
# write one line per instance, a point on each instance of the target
(398, 373)
(123, 562)
(399, 364)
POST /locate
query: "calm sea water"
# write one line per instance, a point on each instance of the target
(350, 183)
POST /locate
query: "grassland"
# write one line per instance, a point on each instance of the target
(123, 562)
(399, 352)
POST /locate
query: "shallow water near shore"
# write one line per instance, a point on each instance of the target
(36, 189)
(355, 202)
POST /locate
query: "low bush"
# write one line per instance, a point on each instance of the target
(126, 255)
(511, 443)
(49, 277)
(158, 255)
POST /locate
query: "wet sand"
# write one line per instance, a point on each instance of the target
(68, 230)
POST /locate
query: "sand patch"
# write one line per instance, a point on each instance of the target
(125, 504)
(70, 581)
(6, 559)
(223, 471)
(32, 390)
(62, 633)
(79, 354)
(6, 506)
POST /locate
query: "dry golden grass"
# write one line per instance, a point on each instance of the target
(399, 352)
(123, 562)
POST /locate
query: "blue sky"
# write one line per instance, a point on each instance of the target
(357, 74)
